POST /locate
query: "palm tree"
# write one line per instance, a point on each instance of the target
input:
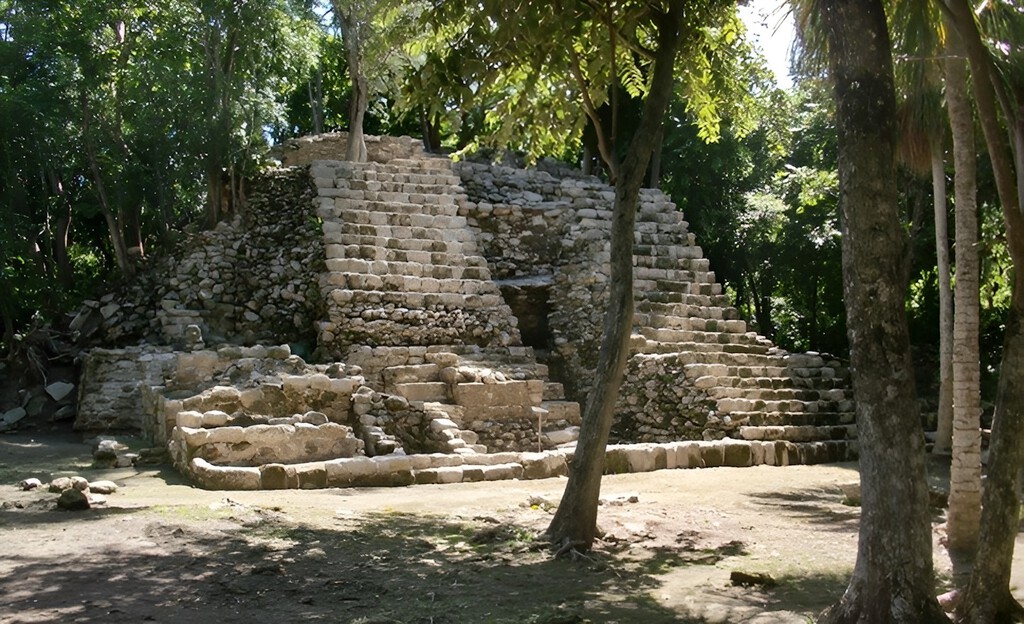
(987, 597)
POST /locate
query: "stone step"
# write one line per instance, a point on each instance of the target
(409, 373)
(654, 347)
(400, 269)
(405, 283)
(554, 391)
(798, 433)
(818, 419)
(479, 395)
(497, 359)
(714, 307)
(428, 391)
(754, 404)
(351, 245)
(723, 336)
(346, 208)
(765, 388)
(386, 216)
(833, 390)
(672, 264)
(568, 411)
(406, 257)
(345, 298)
(397, 186)
(334, 234)
(743, 374)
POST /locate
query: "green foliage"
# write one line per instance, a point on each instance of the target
(764, 208)
(107, 114)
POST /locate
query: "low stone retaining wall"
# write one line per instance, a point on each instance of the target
(404, 470)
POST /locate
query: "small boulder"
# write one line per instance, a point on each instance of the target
(73, 500)
(102, 487)
(60, 484)
(30, 484)
(58, 390)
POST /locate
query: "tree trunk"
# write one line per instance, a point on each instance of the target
(574, 525)
(352, 35)
(893, 580)
(214, 192)
(944, 428)
(109, 213)
(316, 100)
(987, 597)
(965, 468)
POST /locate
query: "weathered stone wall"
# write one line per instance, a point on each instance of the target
(111, 395)
(333, 146)
(252, 279)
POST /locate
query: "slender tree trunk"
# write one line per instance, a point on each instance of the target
(108, 210)
(214, 191)
(574, 525)
(893, 580)
(316, 101)
(987, 598)
(352, 34)
(944, 429)
(965, 468)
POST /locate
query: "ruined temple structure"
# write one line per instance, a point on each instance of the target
(455, 310)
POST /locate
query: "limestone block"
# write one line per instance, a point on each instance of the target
(712, 454)
(484, 394)
(562, 410)
(278, 477)
(214, 418)
(314, 418)
(226, 435)
(736, 453)
(269, 435)
(444, 460)
(349, 471)
(193, 438)
(319, 382)
(503, 472)
(490, 459)
(212, 477)
(561, 436)
(311, 475)
(757, 454)
(544, 465)
(409, 374)
(443, 474)
(346, 385)
(393, 463)
(190, 419)
(423, 391)
(472, 474)
(250, 398)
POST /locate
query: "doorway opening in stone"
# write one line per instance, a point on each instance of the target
(529, 299)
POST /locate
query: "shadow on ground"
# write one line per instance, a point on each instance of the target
(253, 565)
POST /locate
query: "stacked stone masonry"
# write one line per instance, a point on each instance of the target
(457, 311)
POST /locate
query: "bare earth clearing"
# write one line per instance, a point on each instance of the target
(162, 551)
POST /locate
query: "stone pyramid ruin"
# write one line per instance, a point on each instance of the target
(458, 308)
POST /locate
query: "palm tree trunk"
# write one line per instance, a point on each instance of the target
(965, 469)
(987, 597)
(944, 429)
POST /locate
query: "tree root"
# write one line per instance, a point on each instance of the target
(569, 548)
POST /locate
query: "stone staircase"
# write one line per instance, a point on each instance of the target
(410, 300)
(695, 371)
(765, 393)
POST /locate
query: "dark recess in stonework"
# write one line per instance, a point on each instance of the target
(528, 298)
